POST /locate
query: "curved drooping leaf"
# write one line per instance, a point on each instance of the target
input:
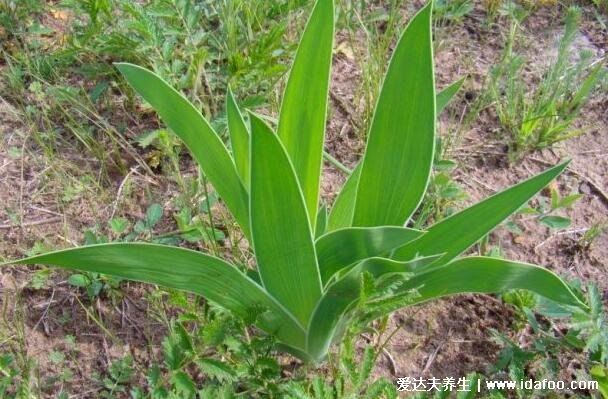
(466, 275)
(446, 95)
(341, 214)
(340, 297)
(200, 138)
(479, 274)
(399, 154)
(344, 247)
(280, 230)
(303, 111)
(182, 269)
(239, 138)
(456, 233)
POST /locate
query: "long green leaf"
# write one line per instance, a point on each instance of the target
(455, 234)
(181, 269)
(467, 275)
(399, 154)
(342, 211)
(340, 297)
(303, 111)
(239, 138)
(341, 248)
(341, 214)
(478, 274)
(204, 144)
(446, 95)
(281, 233)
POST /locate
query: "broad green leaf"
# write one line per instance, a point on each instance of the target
(399, 154)
(321, 221)
(280, 230)
(303, 111)
(181, 269)
(200, 138)
(341, 248)
(478, 274)
(456, 233)
(341, 214)
(239, 138)
(446, 95)
(342, 294)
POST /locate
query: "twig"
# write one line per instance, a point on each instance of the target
(346, 108)
(560, 233)
(391, 361)
(120, 188)
(32, 223)
(36, 208)
(433, 355)
(336, 163)
(46, 310)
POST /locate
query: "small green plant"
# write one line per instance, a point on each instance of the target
(446, 11)
(316, 271)
(119, 375)
(555, 330)
(543, 118)
(545, 212)
(591, 234)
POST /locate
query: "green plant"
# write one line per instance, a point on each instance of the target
(362, 264)
(544, 117)
(554, 330)
(544, 213)
(446, 11)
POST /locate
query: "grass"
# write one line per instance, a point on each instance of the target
(545, 116)
(80, 120)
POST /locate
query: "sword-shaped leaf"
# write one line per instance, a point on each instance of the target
(341, 214)
(478, 274)
(456, 233)
(303, 111)
(281, 232)
(194, 130)
(399, 154)
(239, 138)
(181, 269)
(341, 248)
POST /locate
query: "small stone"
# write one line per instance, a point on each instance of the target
(584, 188)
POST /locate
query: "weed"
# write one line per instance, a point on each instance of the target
(545, 117)
(380, 26)
(451, 11)
(591, 234)
(545, 212)
(554, 330)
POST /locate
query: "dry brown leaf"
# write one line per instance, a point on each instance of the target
(61, 15)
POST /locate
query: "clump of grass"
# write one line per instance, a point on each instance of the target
(543, 117)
